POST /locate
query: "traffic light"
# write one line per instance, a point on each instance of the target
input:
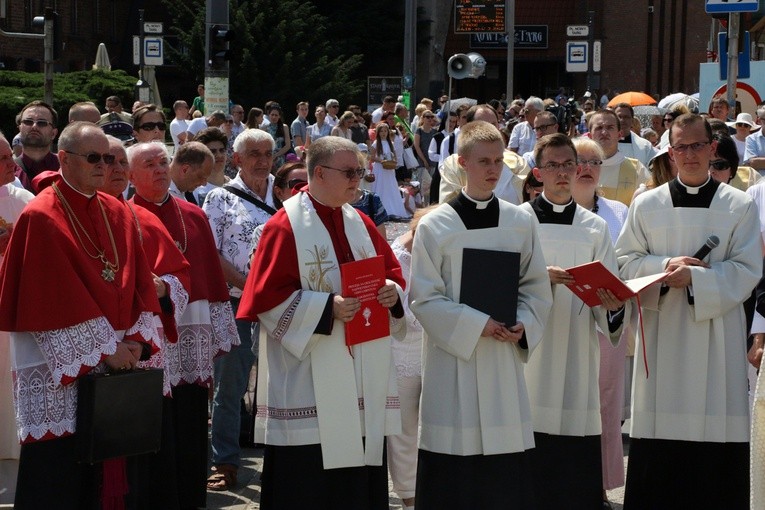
(217, 46)
(41, 22)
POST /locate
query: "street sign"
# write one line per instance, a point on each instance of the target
(216, 94)
(380, 86)
(596, 56)
(152, 27)
(743, 57)
(718, 6)
(577, 30)
(577, 57)
(153, 51)
(749, 92)
(527, 37)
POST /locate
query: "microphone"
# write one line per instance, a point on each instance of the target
(712, 242)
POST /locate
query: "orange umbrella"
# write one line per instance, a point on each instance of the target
(633, 99)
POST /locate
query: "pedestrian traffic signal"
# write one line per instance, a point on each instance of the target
(218, 53)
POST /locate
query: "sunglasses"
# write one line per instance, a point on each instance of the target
(94, 157)
(151, 126)
(350, 173)
(720, 164)
(668, 119)
(741, 125)
(294, 182)
(41, 123)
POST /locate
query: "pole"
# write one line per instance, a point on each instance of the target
(141, 35)
(510, 28)
(410, 47)
(590, 49)
(449, 107)
(48, 56)
(733, 35)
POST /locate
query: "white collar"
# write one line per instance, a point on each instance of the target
(75, 189)
(479, 204)
(691, 189)
(557, 208)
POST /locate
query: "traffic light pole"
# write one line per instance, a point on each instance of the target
(216, 68)
(47, 38)
(733, 36)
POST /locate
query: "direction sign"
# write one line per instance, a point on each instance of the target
(717, 6)
(152, 27)
(153, 52)
(577, 57)
(577, 30)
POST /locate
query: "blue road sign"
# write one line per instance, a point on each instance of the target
(718, 6)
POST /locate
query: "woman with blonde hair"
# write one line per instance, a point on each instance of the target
(384, 163)
(343, 127)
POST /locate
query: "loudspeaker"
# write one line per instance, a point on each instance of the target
(460, 66)
(478, 64)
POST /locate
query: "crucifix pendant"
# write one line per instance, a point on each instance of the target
(108, 274)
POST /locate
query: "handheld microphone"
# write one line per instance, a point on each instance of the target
(712, 242)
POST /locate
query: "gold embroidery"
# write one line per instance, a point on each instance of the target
(317, 275)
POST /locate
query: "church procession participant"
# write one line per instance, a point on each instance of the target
(690, 419)
(77, 296)
(476, 424)
(562, 374)
(328, 432)
(234, 212)
(206, 329)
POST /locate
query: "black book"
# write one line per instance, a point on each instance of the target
(490, 283)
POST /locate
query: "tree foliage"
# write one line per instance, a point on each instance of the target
(283, 51)
(17, 88)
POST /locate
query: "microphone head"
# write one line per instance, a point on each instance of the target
(713, 241)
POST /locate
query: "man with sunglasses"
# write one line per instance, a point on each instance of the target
(78, 296)
(37, 126)
(690, 411)
(324, 436)
(754, 153)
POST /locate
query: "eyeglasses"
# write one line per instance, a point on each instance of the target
(719, 165)
(668, 119)
(694, 147)
(151, 126)
(41, 123)
(590, 162)
(295, 182)
(544, 126)
(94, 157)
(566, 166)
(350, 173)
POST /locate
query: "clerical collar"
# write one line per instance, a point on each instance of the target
(547, 212)
(556, 208)
(693, 190)
(688, 196)
(474, 217)
(479, 204)
(75, 189)
(316, 200)
(626, 139)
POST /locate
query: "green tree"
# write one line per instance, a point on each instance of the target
(283, 51)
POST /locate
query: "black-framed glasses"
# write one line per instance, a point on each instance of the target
(41, 123)
(544, 126)
(350, 173)
(719, 165)
(94, 157)
(151, 126)
(566, 166)
(295, 182)
(694, 147)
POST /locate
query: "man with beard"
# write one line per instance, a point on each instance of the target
(37, 126)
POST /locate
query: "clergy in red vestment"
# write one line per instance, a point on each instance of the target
(206, 329)
(76, 293)
(324, 436)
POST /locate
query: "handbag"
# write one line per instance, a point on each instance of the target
(389, 164)
(119, 414)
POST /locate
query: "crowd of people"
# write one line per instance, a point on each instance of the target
(224, 253)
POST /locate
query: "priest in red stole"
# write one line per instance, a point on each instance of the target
(77, 295)
(326, 431)
(206, 329)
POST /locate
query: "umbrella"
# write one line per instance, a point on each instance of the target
(456, 103)
(649, 110)
(679, 98)
(632, 98)
(102, 58)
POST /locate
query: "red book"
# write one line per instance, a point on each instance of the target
(593, 276)
(362, 279)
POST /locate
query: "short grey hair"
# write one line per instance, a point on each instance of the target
(252, 135)
(320, 152)
(73, 134)
(332, 102)
(134, 150)
(535, 102)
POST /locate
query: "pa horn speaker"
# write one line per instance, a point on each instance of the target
(460, 66)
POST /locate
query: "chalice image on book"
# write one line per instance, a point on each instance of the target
(367, 313)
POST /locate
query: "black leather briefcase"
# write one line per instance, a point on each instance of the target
(119, 414)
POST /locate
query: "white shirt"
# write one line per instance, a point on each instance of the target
(522, 137)
(178, 126)
(195, 126)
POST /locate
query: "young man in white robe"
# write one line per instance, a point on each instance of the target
(562, 374)
(323, 409)
(690, 417)
(474, 414)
